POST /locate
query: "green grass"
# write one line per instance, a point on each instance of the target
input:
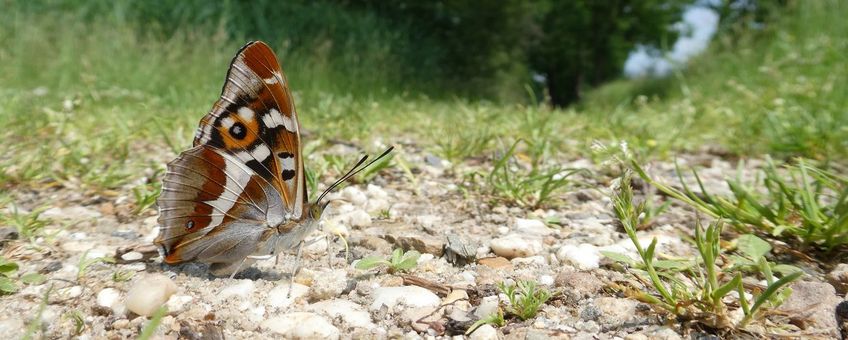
(92, 103)
(696, 288)
(802, 204)
(400, 261)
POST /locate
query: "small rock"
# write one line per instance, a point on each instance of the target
(662, 333)
(132, 256)
(421, 243)
(328, 284)
(351, 313)
(279, 296)
(241, 290)
(51, 267)
(579, 285)
(355, 196)
(108, 297)
(584, 256)
(177, 303)
(484, 332)
(513, 245)
(148, 293)
(420, 318)
(839, 278)
(359, 219)
(612, 311)
(301, 325)
(412, 296)
(70, 292)
(459, 251)
(12, 328)
(126, 234)
(495, 262)
(536, 228)
(546, 280)
(488, 306)
(812, 306)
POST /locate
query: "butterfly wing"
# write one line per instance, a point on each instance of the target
(214, 208)
(255, 121)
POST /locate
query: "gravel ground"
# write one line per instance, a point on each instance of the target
(329, 298)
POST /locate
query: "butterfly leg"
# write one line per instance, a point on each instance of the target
(296, 267)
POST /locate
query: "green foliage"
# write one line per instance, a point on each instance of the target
(85, 262)
(584, 43)
(705, 290)
(531, 188)
(496, 319)
(525, 299)
(399, 262)
(151, 326)
(29, 225)
(800, 203)
(145, 196)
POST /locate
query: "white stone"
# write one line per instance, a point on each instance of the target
(108, 297)
(279, 296)
(584, 256)
(355, 196)
(546, 280)
(528, 227)
(424, 258)
(359, 219)
(488, 306)
(70, 292)
(148, 293)
(132, 256)
(241, 290)
(412, 296)
(513, 245)
(301, 325)
(484, 332)
(351, 313)
(177, 303)
(328, 284)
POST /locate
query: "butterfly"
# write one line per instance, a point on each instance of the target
(239, 194)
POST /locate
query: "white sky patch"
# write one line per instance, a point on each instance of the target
(696, 29)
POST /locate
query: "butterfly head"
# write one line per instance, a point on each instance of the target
(316, 210)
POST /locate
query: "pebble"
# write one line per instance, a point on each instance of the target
(488, 306)
(279, 296)
(579, 285)
(70, 292)
(132, 256)
(177, 303)
(813, 305)
(148, 293)
(301, 325)
(327, 284)
(484, 332)
(425, 315)
(531, 227)
(108, 298)
(584, 256)
(495, 262)
(241, 290)
(839, 278)
(513, 245)
(412, 296)
(611, 311)
(351, 313)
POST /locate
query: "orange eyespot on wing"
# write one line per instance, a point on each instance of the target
(255, 121)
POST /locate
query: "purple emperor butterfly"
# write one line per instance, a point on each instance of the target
(240, 192)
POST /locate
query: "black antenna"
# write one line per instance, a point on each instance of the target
(353, 171)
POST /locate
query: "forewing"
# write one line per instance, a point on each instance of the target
(256, 122)
(214, 208)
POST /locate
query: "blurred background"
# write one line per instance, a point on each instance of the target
(101, 80)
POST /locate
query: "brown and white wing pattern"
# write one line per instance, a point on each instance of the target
(256, 122)
(213, 208)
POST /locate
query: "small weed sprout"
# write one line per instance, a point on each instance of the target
(85, 262)
(532, 188)
(525, 298)
(495, 319)
(399, 261)
(151, 326)
(807, 204)
(707, 291)
(145, 196)
(29, 225)
(9, 271)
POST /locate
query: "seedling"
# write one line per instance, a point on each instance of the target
(145, 196)
(525, 298)
(85, 263)
(399, 261)
(496, 319)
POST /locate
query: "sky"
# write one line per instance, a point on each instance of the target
(696, 28)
